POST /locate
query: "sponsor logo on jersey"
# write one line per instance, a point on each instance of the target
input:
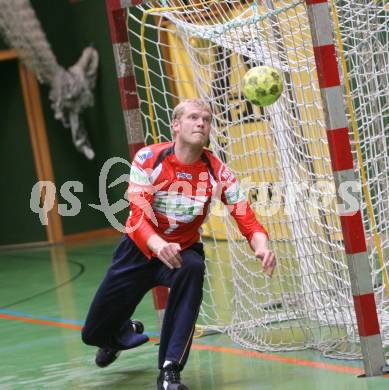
(144, 155)
(227, 175)
(183, 175)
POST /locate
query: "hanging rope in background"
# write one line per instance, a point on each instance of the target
(71, 89)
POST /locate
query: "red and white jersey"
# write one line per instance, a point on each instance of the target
(172, 199)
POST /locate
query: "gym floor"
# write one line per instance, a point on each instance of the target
(45, 294)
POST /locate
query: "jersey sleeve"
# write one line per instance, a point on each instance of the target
(233, 197)
(139, 225)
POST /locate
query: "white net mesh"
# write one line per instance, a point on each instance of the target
(280, 153)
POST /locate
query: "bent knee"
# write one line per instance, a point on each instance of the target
(194, 265)
(88, 337)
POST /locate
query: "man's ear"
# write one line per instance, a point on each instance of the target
(175, 126)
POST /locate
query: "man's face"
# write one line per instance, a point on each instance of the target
(193, 127)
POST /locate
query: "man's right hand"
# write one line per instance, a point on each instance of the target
(169, 254)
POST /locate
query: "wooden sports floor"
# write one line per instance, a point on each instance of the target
(44, 296)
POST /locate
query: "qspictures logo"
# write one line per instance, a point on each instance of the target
(297, 200)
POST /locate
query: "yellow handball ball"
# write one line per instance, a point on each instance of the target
(262, 85)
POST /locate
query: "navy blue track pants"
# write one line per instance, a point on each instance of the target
(130, 276)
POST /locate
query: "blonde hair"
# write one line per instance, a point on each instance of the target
(180, 108)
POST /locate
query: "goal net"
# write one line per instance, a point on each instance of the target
(183, 49)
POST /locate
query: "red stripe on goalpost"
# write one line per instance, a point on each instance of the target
(365, 310)
(353, 233)
(133, 148)
(160, 296)
(340, 149)
(327, 66)
(114, 5)
(117, 23)
(309, 2)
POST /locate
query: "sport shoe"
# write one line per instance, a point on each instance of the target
(169, 378)
(137, 326)
(106, 356)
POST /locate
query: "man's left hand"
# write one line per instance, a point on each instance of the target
(259, 245)
(268, 260)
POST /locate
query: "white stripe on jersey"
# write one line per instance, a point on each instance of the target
(139, 176)
(178, 206)
(234, 194)
(156, 172)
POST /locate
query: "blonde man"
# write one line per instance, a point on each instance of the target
(170, 191)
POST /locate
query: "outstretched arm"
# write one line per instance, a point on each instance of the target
(249, 226)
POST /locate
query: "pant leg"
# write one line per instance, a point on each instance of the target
(186, 292)
(127, 280)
